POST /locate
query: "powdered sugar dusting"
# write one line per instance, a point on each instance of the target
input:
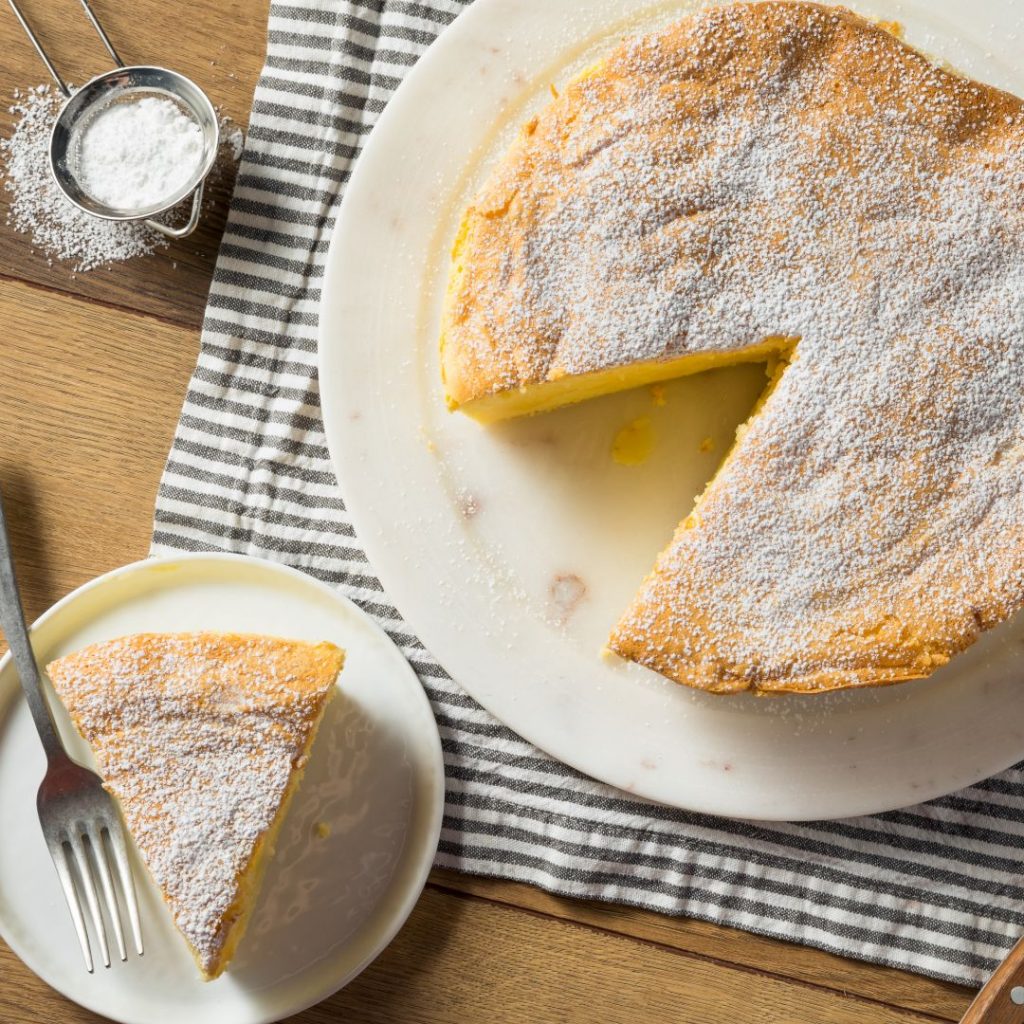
(786, 171)
(39, 209)
(38, 206)
(234, 137)
(138, 153)
(197, 736)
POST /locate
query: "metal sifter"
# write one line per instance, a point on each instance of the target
(116, 86)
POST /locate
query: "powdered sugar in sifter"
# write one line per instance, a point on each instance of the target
(120, 85)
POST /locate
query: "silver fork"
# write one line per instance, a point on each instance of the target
(80, 821)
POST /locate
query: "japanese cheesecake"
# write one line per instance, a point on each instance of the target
(784, 182)
(203, 738)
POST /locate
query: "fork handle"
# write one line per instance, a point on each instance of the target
(12, 621)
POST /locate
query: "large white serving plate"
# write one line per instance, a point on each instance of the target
(512, 550)
(330, 902)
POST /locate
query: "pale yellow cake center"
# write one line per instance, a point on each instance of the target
(572, 388)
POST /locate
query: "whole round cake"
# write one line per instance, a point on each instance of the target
(790, 183)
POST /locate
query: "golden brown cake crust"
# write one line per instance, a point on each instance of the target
(198, 736)
(784, 170)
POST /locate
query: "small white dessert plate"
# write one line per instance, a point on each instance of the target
(354, 851)
(512, 551)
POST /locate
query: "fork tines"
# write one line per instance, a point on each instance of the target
(83, 856)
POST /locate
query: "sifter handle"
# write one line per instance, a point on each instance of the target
(54, 74)
(94, 21)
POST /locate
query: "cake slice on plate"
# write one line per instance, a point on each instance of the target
(203, 738)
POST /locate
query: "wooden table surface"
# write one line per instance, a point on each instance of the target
(95, 366)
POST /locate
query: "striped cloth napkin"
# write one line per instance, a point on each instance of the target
(935, 888)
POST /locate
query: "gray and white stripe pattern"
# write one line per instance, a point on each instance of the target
(935, 888)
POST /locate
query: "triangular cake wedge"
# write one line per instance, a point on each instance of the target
(203, 738)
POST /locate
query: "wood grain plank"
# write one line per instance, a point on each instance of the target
(508, 967)
(898, 988)
(219, 45)
(90, 400)
(459, 961)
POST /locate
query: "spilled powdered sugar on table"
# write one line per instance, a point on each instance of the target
(39, 209)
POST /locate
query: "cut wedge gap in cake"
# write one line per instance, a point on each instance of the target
(569, 389)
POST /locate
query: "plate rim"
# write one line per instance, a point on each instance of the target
(434, 813)
(342, 442)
